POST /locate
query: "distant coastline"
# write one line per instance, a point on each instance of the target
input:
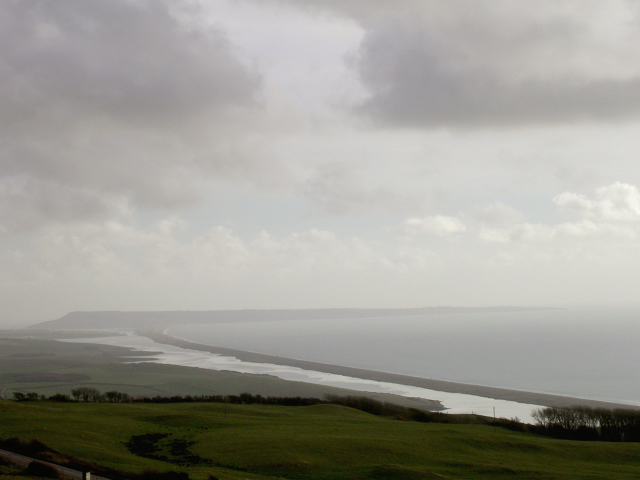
(153, 324)
(154, 320)
(518, 396)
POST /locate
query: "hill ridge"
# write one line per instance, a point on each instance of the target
(113, 319)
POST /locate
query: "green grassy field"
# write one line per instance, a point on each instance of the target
(318, 442)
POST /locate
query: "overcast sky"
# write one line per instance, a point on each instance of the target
(195, 155)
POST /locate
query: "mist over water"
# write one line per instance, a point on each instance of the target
(583, 353)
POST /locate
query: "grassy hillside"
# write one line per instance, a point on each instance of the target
(319, 442)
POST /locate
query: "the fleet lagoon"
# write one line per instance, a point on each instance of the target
(589, 354)
(453, 402)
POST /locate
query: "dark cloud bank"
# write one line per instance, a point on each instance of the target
(412, 83)
(430, 64)
(107, 99)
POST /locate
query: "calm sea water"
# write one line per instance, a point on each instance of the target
(582, 353)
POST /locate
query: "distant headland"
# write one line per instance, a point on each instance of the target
(164, 319)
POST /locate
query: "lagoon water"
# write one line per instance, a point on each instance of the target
(580, 353)
(452, 402)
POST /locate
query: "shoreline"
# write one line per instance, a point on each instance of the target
(543, 399)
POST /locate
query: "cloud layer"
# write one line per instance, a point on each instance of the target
(468, 257)
(116, 99)
(202, 155)
(464, 64)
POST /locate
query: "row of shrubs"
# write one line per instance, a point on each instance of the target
(83, 394)
(369, 405)
(93, 395)
(586, 423)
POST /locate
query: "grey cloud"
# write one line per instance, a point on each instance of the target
(473, 64)
(119, 58)
(117, 98)
(496, 214)
(30, 204)
(413, 83)
(338, 190)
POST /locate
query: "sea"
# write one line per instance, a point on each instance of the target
(584, 353)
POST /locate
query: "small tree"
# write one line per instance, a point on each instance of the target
(86, 394)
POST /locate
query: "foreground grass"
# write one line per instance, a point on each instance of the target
(318, 442)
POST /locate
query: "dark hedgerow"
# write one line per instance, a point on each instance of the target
(30, 449)
(146, 445)
(585, 423)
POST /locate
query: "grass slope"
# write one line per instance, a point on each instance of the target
(318, 442)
